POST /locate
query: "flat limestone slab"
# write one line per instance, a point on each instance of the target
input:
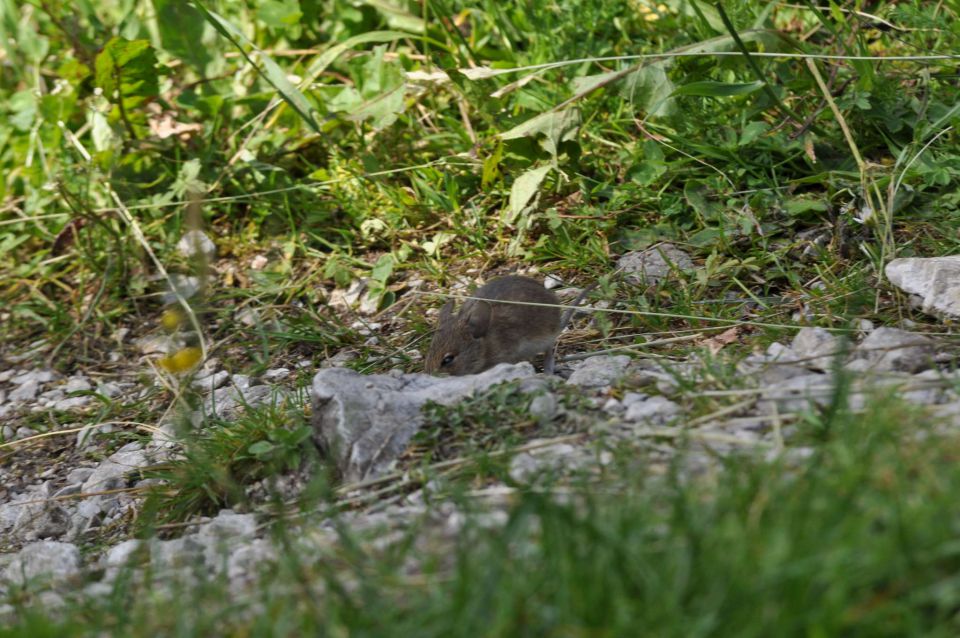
(936, 280)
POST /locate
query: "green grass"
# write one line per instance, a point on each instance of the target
(365, 171)
(856, 539)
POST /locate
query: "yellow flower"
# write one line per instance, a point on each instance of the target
(182, 360)
(171, 319)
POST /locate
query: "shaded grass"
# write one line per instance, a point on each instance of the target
(856, 538)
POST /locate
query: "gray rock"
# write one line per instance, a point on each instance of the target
(111, 473)
(70, 403)
(815, 348)
(23, 432)
(600, 371)
(656, 410)
(935, 280)
(88, 514)
(551, 458)
(78, 383)
(223, 534)
(186, 285)
(153, 344)
(195, 243)
(923, 395)
(544, 408)
(79, 475)
(948, 413)
(52, 561)
(228, 524)
(109, 389)
(276, 374)
(613, 406)
(32, 516)
(799, 394)
(183, 552)
(240, 381)
(26, 391)
(346, 299)
(898, 350)
(86, 436)
(340, 359)
(33, 376)
(119, 557)
(365, 422)
(245, 561)
(655, 264)
(211, 382)
(227, 402)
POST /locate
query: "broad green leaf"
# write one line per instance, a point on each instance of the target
(551, 123)
(801, 206)
(260, 448)
(752, 131)
(587, 84)
(396, 17)
(380, 98)
(128, 67)
(23, 106)
(383, 110)
(708, 88)
(181, 28)
(651, 89)
(524, 189)
(320, 65)
(279, 14)
(556, 127)
(491, 167)
(271, 71)
(101, 133)
(697, 8)
(649, 171)
(382, 269)
(698, 196)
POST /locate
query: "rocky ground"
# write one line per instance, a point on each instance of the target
(71, 491)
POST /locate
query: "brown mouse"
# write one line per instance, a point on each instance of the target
(485, 333)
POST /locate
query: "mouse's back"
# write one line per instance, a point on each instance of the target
(485, 333)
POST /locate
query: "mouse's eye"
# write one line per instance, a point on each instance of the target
(447, 359)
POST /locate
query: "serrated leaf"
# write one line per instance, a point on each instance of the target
(523, 190)
(708, 88)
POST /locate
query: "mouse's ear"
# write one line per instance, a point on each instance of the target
(446, 312)
(478, 319)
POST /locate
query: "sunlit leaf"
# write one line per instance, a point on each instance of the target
(523, 190)
(708, 88)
